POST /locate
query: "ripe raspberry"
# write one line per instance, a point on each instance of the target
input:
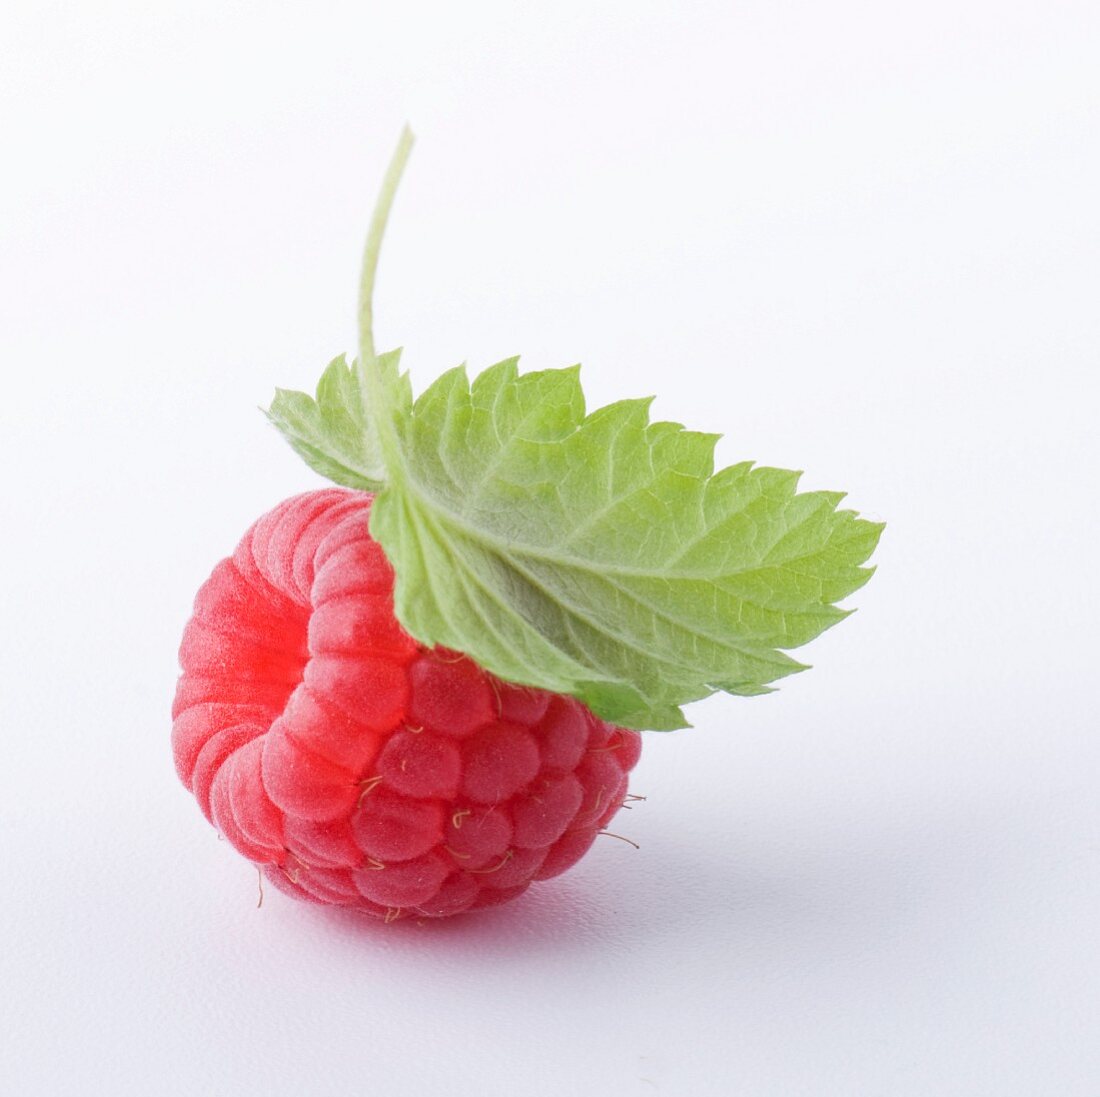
(358, 767)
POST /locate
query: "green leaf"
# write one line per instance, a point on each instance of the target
(597, 555)
(600, 555)
(331, 432)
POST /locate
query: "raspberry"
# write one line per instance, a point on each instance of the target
(358, 767)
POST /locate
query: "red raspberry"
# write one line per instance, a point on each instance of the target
(358, 767)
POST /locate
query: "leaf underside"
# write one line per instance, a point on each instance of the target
(597, 555)
(330, 432)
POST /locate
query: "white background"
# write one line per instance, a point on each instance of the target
(859, 238)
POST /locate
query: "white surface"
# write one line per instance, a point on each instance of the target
(859, 238)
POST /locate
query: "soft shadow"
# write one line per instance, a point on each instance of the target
(865, 875)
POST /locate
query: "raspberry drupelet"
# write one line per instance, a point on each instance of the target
(358, 767)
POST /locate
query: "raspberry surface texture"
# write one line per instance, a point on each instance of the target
(358, 767)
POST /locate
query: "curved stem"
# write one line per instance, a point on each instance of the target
(374, 245)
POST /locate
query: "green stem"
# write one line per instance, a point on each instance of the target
(374, 245)
(374, 373)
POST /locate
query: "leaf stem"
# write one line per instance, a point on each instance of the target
(373, 245)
